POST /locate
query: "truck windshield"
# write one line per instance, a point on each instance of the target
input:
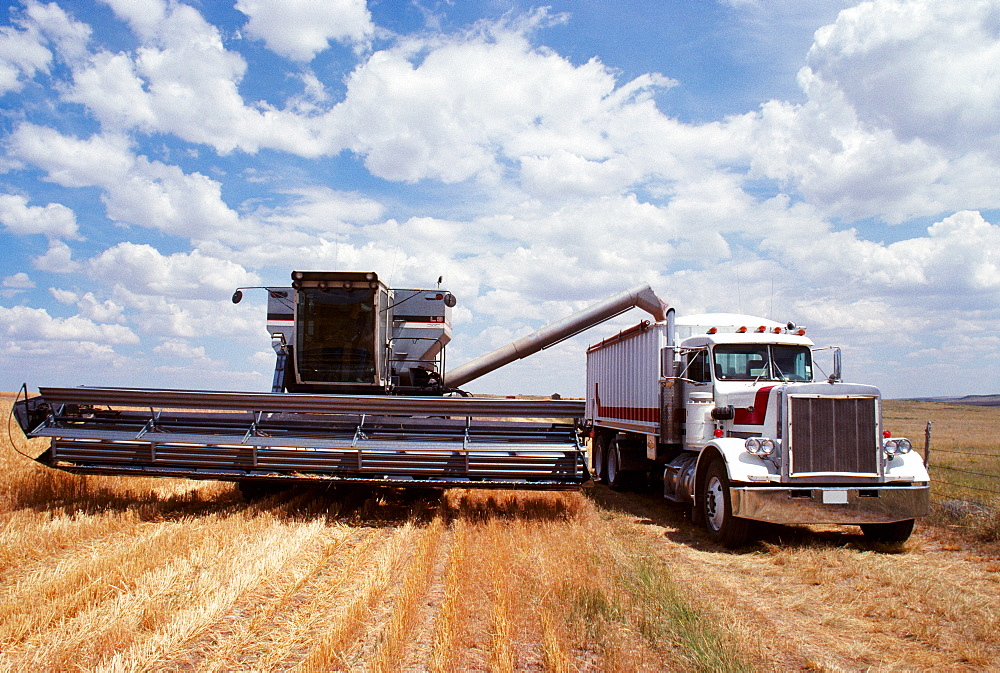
(335, 335)
(770, 362)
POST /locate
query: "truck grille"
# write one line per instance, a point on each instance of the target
(833, 434)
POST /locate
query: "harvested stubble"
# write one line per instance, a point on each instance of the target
(104, 573)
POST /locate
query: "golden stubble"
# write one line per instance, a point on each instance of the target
(105, 573)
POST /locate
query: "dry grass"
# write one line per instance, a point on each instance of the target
(105, 573)
(102, 573)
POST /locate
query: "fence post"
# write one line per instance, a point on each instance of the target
(927, 444)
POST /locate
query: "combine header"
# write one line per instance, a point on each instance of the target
(360, 394)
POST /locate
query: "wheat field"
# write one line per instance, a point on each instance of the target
(108, 573)
(133, 574)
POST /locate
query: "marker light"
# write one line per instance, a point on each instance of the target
(777, 330)
(713, 330)
(742, 330)
(887, 434)
(719, 433)
(802, 332)
(761, 329)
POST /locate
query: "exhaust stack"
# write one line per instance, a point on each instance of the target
(641, 296)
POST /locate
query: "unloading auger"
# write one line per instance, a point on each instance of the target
(360, 394)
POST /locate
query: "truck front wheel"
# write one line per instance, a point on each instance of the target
(723, 527)
(896, 532)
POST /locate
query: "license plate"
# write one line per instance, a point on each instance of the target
(838, 497)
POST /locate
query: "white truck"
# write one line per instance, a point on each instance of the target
(729, 408)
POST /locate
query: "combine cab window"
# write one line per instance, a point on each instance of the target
(335, 340)
(752, 362)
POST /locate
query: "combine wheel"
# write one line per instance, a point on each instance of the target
(616, 478)
(723, 527)
(252, 490)
(889, 533)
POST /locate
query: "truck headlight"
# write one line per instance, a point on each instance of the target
(759, 446)
(897, 446)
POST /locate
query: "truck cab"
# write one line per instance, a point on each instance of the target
(745, 427)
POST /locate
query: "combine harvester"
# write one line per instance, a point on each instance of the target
(360, 395)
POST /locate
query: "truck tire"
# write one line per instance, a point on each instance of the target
(896, 532)
(615, 477)
(724, 528)
(599, 456)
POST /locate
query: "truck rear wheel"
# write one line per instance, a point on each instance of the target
(599, 457)
(896, 532)
(616, 478)
(724, 528)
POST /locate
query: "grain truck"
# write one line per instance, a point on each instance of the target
(731, 411)
(360, 394)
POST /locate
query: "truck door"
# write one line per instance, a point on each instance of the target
(698, 398)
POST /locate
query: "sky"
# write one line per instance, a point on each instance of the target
(828, 163)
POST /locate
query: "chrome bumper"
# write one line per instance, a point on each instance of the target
(778, 504)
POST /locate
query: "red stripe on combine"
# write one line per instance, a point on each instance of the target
(756, 414)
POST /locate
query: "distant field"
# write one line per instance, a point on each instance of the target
(965, 455)
(102, 573)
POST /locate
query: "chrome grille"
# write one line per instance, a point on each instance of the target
(833, 434)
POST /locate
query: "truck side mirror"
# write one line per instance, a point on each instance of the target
(835, 375)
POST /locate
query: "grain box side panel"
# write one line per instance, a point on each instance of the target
(623, 389)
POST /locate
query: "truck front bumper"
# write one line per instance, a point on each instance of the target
(782, 504)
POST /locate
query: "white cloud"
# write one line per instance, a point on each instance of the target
(57, 259)
(452, 109)
(24, 45)
(923, 70)
(144, 270)
(300, 29)
(182, 80)
(19, 281)
(136, 190)
(902, 117)
(68, 35)
(21, 56)
(181, 349)
(100, 311)
(54, 220)
(29, 324)
(15, 284)
(64, 296)
(956, 265)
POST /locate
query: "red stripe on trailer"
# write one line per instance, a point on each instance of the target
(647, 414)
(756, 414)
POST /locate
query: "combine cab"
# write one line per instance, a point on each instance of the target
(358, 396)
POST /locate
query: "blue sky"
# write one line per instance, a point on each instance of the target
(830, 163)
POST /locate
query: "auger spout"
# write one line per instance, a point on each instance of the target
(641, 296)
